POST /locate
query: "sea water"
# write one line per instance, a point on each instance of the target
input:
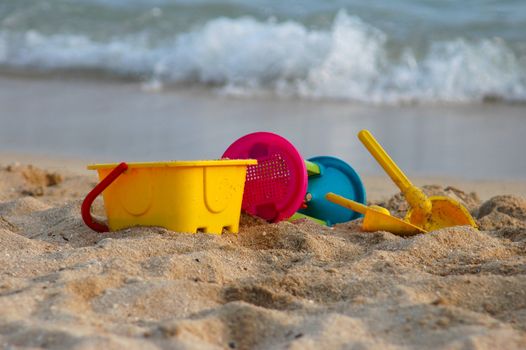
(374, 52)
(183, 79)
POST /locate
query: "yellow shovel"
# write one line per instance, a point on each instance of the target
(429, 213)
(376, 218)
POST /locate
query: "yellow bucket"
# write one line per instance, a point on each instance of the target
(183, 196)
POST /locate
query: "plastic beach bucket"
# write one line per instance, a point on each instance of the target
(275, 187)
(183, 196)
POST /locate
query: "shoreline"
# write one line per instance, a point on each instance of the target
(95, 78)
(378, 187)
(108, 121)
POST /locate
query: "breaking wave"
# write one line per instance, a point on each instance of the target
(351, 60)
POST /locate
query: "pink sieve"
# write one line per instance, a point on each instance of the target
(275, 188)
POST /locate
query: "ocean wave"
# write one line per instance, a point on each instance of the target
(351, 60)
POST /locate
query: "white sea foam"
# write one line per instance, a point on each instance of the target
(244, 56)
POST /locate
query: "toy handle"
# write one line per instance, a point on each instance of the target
(312, 168)
(347, 203)
(384, 160)
(90, 197)
(416, 198)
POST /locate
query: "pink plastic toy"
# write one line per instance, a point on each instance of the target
(275, 188)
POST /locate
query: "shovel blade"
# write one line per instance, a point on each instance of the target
(378, 221)
(445, 212)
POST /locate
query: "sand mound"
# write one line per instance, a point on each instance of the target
(502, 212)
(285, 285)
(51, 187)
(22, 206)
(31, 180)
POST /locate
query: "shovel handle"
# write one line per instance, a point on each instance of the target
(347, 203)
(90, 197)
(384, 160)
(414, 195)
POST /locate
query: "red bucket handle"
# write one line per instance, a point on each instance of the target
(88, 201)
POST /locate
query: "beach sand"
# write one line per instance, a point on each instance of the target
(441, 86)
(285, 285)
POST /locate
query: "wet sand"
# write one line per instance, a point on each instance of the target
(112, 121)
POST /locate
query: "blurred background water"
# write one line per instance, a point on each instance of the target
(379, 51)
(441, 83)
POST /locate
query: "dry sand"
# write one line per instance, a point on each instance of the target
(286, 285)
